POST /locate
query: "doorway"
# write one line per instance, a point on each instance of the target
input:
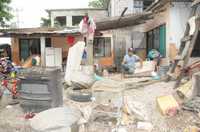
(28, 47)
(156, 39)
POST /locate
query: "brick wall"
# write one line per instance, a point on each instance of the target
(61, 42)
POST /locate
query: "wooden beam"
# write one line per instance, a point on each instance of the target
(42, 49)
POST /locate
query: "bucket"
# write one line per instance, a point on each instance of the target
(162, 72)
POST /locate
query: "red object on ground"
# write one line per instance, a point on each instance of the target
(70, 40)
(29, 115)
(5, 83)
(14, 87)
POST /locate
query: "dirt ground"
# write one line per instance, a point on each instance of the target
(12, 118)
(148, 95)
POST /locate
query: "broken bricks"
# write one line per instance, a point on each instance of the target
(167, 105)
(185, 91)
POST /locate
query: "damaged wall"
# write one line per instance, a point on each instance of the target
(61, 42)
(125, 38)
(117, 7)
(174, 16)
(179, 15)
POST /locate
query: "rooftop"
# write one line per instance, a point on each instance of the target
(125, 21)
(40, 31)
(75, 9)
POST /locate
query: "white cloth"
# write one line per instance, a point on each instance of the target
(74, 60)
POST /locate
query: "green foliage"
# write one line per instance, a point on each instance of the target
(4, 12)
(98, 3)
(46, 22)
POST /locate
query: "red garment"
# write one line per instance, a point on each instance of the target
(70, 40)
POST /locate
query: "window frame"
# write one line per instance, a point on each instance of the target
(106, 53)
(77, 23)
(62, 24)
(29, 46)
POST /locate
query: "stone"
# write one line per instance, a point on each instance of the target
(145, 126)
(167, 105)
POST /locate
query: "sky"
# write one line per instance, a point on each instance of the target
(29, 12)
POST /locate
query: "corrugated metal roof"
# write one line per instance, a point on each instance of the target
(38, 32)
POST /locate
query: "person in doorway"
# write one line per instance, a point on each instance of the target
(128, 64)
(155, 56)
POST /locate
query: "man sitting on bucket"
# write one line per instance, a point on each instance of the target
(128, 64)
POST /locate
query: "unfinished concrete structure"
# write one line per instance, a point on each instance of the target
(165, 31)
(72, 17)
(126, 37)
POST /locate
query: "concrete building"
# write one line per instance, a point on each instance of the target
(166, 30)
(72, 17)
(163, 32)
(103, 44)
(131, 36)
(34, 41)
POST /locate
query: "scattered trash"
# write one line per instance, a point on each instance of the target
(192, 105)
(13, 102)
(185, 91)
(167, 105)
(120, 129)
(98, 78)
(29, 115)
(83, 95)
(191, 129)
(155, 76)
(145, 126)
(82, 79)
(107, 85)
(9, 107)
(136, 108)
(104, 114)
(86, 113)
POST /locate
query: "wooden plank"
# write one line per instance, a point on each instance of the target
(187, 38)
(193, 42)
(182, 46)
(90, 58)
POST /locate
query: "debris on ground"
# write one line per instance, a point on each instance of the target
(185, 91)
(56, 120)
(167, 105)
(192, 129)
(192, 105)
(136, 108)
(146, 126)
(82, 95)
(107, 85)
(9, 107)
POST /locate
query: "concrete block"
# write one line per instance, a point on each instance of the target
(167, 105)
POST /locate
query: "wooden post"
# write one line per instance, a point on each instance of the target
(90, 56)
(42, 50)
